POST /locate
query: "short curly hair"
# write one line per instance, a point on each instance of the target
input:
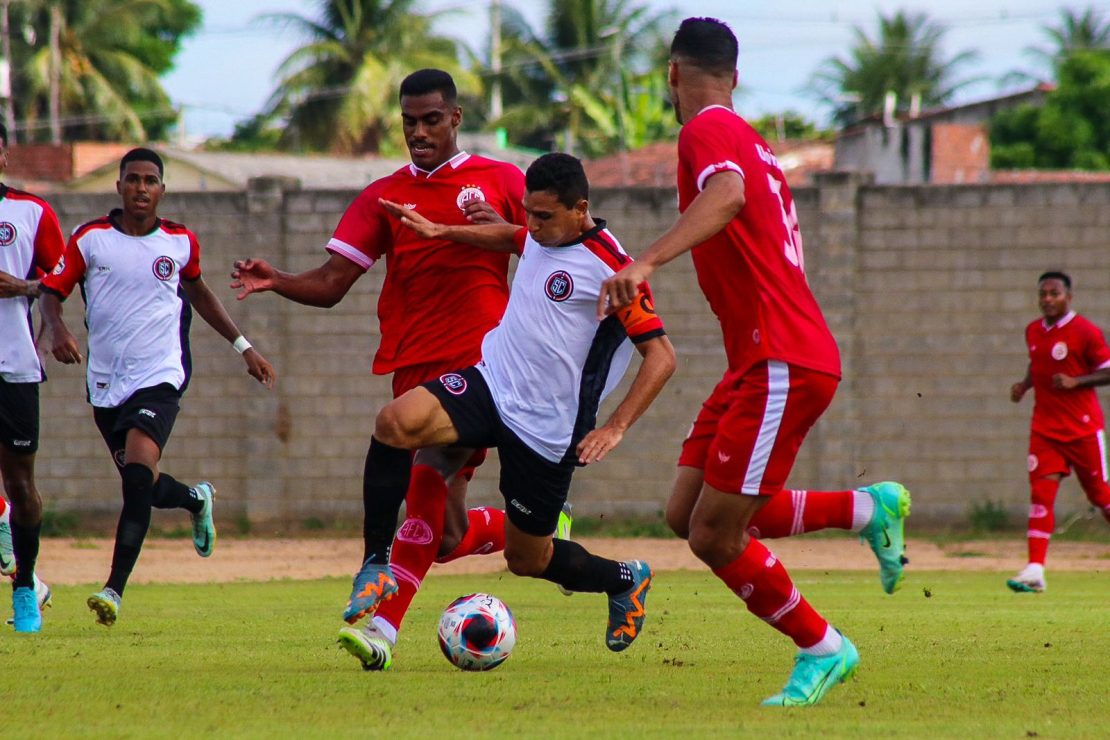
(560, 174)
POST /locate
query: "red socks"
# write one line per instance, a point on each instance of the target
(762, 582)
(1042, 520)
(794, 512)
(417, 541)
(485, 533)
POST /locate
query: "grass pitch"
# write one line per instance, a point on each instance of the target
(951, 655)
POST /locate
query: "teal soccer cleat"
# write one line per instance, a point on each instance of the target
(886, 534)
(814, 675)
(373, 584)
(106, 604)
(626, 610)
(204, 529)
(25, 610)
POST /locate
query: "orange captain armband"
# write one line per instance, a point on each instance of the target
(639, 317)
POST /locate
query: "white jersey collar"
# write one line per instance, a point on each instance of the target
(1062, 322)
(454, 161)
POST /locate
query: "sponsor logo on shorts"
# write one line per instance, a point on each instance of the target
(415, 531)
(21, 443)
(559, 286)
(520, 507)
(164, 268)
(1032, 462)
(7, 234)
(723, 457)
(147, 412)
(120, 456)
(1059, 351)
(101, 385)
(745, 591)
(454, 383)
(469, 194)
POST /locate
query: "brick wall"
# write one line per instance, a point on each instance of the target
(927, 290)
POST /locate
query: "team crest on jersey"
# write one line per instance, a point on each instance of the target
(164, 268)
(454, 383)
(469, 194)
(559, 286)
(1059, 351)
(7, 234)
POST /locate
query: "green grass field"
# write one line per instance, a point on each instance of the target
(259, 659)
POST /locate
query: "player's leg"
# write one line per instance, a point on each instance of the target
(1047, 466)
(1088, 458)
(476, 531)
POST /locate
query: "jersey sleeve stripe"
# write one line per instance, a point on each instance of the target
(343, 249)
(713, 169)
(604, 248)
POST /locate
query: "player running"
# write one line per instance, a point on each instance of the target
(140, 274)
(739, 220)
(31, 244)
(1068, 357)
(535, 393)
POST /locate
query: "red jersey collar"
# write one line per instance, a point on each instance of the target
(454, 161)
(1062, 322)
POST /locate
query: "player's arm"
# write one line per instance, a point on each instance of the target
(712, 209)
(13, 287)
(205, 302)
(55, 334)
(1090, 380)
(323, 286)
(1019, 389)
(496, 237)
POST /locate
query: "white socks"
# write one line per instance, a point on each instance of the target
(863, 509)
(828, 645)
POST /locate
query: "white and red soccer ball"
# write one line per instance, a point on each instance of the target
(477, 632)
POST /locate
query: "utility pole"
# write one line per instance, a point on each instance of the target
(495, 102)
(6, 71)
(55, 73)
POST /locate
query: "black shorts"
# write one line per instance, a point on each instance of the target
(151, 410)
(534, 488)
(19, 417)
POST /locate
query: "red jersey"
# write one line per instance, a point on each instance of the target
(752, 271)
(1072, 346)
(439, 298)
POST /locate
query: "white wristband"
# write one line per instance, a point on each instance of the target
(241, 344)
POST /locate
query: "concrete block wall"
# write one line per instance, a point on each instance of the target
(926, 288)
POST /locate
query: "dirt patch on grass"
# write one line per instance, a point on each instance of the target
(75, 561)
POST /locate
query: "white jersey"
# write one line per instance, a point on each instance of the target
(550, 361)
(137, 314)
(30, 245)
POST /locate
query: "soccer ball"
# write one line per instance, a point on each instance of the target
(477, 632)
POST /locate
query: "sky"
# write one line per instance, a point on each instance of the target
(226, 71)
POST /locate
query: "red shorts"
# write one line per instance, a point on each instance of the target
(750, 429)
(1086, 455)
(407, 378)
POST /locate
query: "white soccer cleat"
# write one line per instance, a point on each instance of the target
(1029, 581)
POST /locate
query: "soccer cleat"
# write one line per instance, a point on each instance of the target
(1029, 581)
(369, 645)
(814, 675)
(25, 610)
(7, 553)
(373, 584)
(626, 610)
(885, 533)
(42, 594)
(204, 529)
(562, 532)
(106, 605)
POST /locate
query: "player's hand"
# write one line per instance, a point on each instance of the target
(622, 288)
(1017, 392)
(64, 347)
(481, 212)
(596, 445)
(259, 368)
(1064, 382)
(252, 276)
(410, 218)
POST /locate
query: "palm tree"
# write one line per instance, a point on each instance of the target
(93, 66)
(593, 80)
(1078, 31)
(338, 92)
(905, 59)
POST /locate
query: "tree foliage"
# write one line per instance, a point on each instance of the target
(905, 57)
(338, 92)
(1070, 131)
(112, 55)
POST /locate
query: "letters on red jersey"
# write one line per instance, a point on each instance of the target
(1072, 346)
(753, 271)
(438, 298)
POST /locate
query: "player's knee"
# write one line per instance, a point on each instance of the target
(678, 521)
(20, 489)
(523, 564)
(716, 547)
(390, 428)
